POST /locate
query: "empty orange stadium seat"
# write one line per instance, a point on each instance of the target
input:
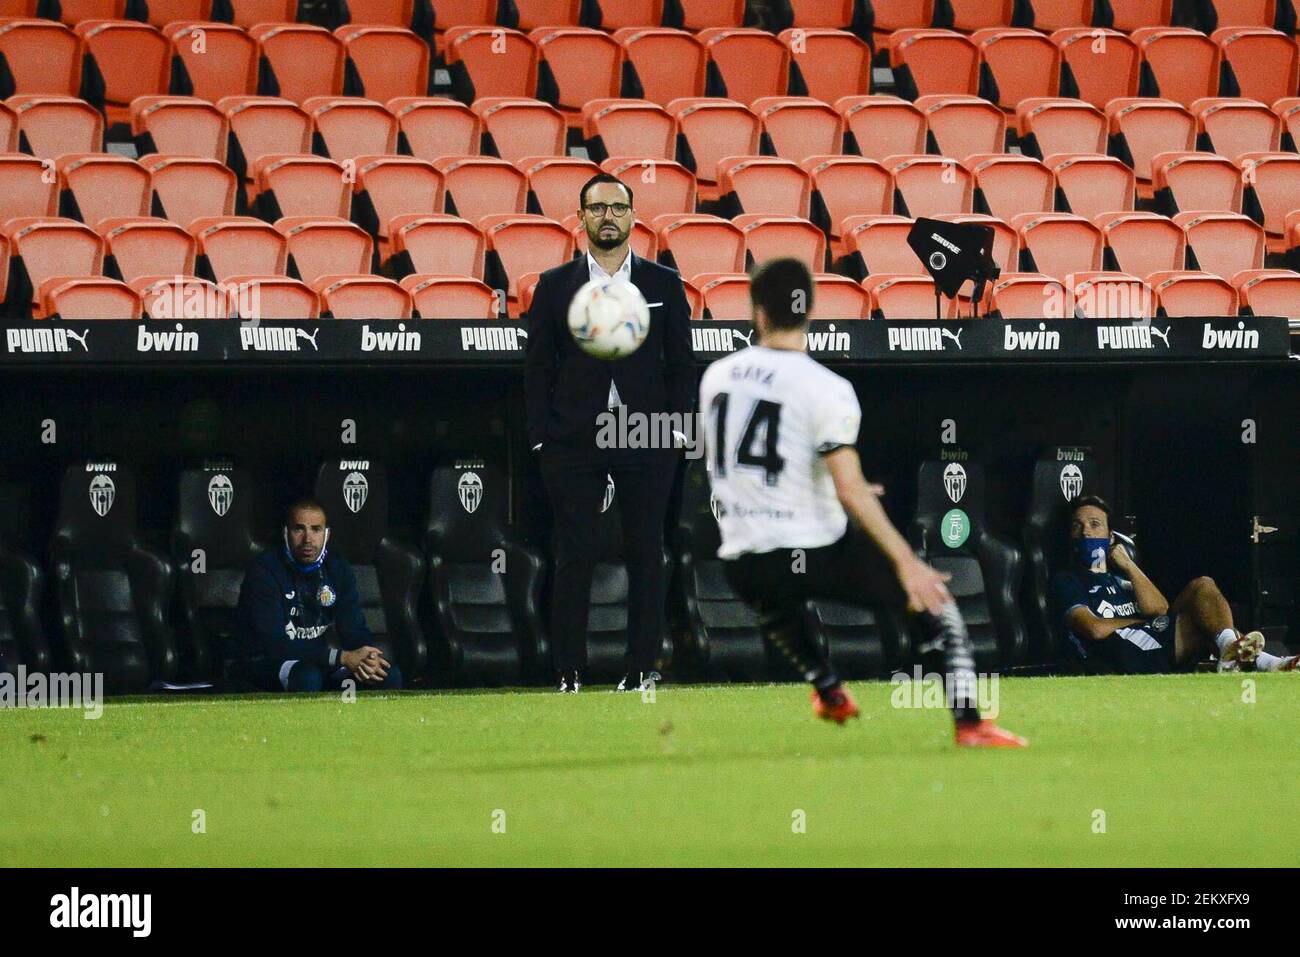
(94, 186)
(833, 63)
(1195, 181)
(162, 12)
(627, 128)
(1047, 126)
(301, 186)
(1049, 15)
(1189, 293)
(767, 237)
(644, 240)
(1007, 184)
(389, 61)
(491, 61)
(1022, 63)
(520, 127)
(971, 16)
(715, 129)
(1027, 296)
(700, 14)
(928, 185)
(325, 246)
(765, 184)
(49, 126)
(278, 297)
(390, 13)
(451, 297)
(555, 181)
(240, 245)
(838, 297)
(437, 245)
(584, 64)
(1274, 181)
(695, 243)
(72, 12)
(50, 247)
(352, 126)
(618, 14)
(1131, 15)
(1092, 184)
(141, 245)
(363, 297)
(260, 126)
(548, 13)
(184, 297)
(1141, 128)
(479, 186)
(1231, 126)
(435, 127)
(1099, 64)
(1110, 295)
(133, 59)
(883, 126)
(659, 186)
(180, 125)
(39, 56)
(1288, 111)
(1058, 244)
(249, 13)
(525, 243)
(963, 125)
(1143, 243)
(669, 64)
(26, 189)
(849, 186)
(1264, 63)
(1223, 243)
(1270, 292)
(799, 126)
(891, 15)
(89, 297)
(927, 61)
(725, 296)
(751, 62)
(389, 186)
(903, 297)
(300, 60)
(8, 129)
(877, 245)
(216, 59)
(1183, 62)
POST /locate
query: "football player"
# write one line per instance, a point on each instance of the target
(780, 432)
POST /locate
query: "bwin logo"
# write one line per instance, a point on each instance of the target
(178, 341)
(1039, 340)
(399, 341)
(1071, 482)
(609, 494)
(130, 911)
(470, 490)
(355, 490)
(102, 493)
(954, 481)
(221, 492)
(1239, 338)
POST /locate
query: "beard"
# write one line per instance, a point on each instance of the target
(606, 242)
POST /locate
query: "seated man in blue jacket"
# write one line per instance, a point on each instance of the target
(300, 616)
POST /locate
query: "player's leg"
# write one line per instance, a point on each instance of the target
(575, 484)
(269, 675)
(1204, 624)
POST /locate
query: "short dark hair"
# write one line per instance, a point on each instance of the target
(774, 287)
(1096, 501)
(603, 178)
(308, 502)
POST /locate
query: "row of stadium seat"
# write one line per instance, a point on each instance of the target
(570, 66)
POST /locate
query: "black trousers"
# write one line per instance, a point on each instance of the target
(575, 478)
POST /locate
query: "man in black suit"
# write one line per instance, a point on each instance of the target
(566, 391)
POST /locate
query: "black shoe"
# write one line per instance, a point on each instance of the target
(643, 681)
(570, 683)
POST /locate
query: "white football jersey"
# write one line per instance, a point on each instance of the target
(769, 414)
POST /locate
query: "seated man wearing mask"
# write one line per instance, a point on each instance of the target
(1126, 625)
(294, 600)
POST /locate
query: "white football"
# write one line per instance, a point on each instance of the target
(609, 320)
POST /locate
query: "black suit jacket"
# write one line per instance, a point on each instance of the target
(565, 389)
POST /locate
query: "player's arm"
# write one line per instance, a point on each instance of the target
(924, 585)
(1085, 624)
(539, 364)
(679, 357)
(1145, 594)
(359, 656)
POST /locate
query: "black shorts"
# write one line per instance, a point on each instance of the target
(852, 570)
(1128, 659)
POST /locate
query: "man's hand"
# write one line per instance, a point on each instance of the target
(924, 586)
(367, 664)
(1119, 559)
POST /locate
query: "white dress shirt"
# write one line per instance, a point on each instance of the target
(622, 274)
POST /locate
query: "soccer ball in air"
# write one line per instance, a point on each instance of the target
(609, 320)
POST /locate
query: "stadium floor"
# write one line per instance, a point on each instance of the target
(1185, 771)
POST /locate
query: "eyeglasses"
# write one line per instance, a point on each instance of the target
(600, 209)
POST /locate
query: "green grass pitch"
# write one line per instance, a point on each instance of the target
(1185, 771)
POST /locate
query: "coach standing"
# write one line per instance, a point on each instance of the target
(565, 390)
